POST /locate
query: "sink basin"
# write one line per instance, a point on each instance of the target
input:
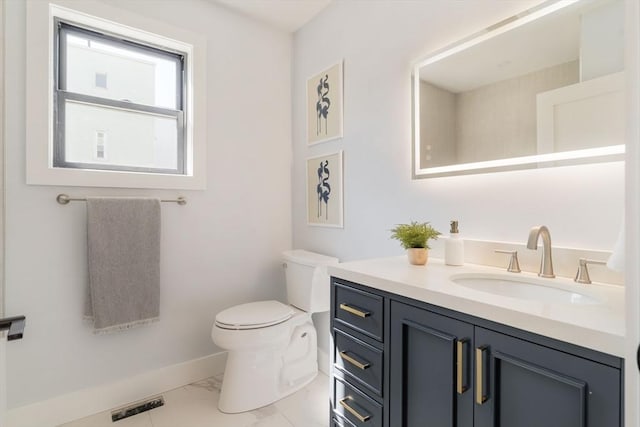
(524, 288)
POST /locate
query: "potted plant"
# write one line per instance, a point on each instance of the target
(414, 237)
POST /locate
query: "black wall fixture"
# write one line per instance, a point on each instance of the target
(15, 325)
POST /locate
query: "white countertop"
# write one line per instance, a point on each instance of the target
(596, 326)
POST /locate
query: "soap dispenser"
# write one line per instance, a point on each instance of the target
(454, 247)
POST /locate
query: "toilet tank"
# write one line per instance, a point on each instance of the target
(307, 279)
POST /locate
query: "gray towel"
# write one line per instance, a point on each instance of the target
(124, 262)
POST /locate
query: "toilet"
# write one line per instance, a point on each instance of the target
(272, 347)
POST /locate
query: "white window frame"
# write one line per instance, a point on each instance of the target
(41, 18)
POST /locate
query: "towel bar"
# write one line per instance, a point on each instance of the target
(64, 199)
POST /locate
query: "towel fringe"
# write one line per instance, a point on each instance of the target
(122, 326)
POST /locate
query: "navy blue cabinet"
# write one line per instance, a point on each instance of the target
(431, 360)
(398, 362)
(519, 383)
(358, 335)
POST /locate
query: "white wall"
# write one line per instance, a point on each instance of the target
(602, 40)
(2, 130)
(379, 42)
(632, 212)
(3, 358)
(221, 249)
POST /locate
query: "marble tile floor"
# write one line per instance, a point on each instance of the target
(196, 405)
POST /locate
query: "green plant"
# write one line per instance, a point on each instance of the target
(415, 234)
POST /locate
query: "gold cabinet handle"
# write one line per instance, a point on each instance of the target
(481, 397)
(354, 362)
(461, 385)
(354, 310)
(358, 415)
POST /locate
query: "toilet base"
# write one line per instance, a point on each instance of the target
(254, 379)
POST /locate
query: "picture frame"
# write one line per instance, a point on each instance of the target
(325, 197)
(325, 105)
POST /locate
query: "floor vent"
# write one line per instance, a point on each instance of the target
(129, 411)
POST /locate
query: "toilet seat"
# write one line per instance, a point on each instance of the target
(254, 315)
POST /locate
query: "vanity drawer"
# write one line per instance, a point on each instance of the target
(360, 310)
(359, 361)
(353, 405)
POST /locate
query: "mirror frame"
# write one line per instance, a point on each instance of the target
(591, 155)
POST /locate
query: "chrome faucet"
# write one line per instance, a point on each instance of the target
(546, 264)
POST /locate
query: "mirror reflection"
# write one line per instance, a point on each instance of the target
(544, 88)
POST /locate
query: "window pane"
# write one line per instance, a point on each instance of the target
(113, 70)
(109, 136)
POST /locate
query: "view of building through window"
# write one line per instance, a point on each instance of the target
(131, 93)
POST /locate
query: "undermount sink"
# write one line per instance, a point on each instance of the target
(523, 287)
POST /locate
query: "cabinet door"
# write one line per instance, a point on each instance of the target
(430, 369)
(518, 383)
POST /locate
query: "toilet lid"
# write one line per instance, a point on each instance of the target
(254, 315)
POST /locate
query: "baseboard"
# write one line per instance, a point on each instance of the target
(323, 362)
(80, 404)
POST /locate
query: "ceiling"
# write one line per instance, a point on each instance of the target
(287, 15)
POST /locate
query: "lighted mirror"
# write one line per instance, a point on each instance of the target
(543, 88)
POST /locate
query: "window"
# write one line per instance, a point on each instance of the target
(100, 143)
(101, 80)
(133, 92)
(68, 104)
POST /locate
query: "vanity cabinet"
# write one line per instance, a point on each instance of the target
(519, 383)
(357, 321)
(398, 362)
(430, 369)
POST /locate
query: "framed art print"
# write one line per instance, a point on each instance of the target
(324, 105)
(324, 190)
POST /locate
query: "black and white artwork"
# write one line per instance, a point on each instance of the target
(324, 190)
(324, 105)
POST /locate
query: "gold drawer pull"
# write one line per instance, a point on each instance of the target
(355, 311)
(461, 374)
(360, 417)
(481, 397)
(353, 361)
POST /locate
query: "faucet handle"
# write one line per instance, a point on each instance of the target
(514, 266)
(582, 276)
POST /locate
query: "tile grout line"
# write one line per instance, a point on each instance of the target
(286, 418)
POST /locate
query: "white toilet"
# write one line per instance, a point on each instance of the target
(273, 346)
